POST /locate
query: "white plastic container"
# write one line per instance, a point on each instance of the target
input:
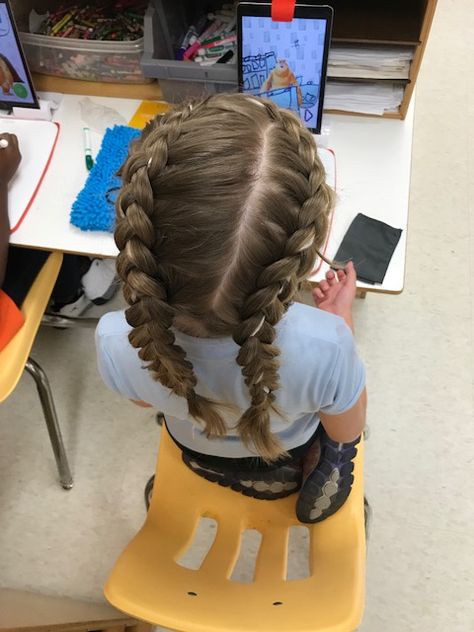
(89, 60)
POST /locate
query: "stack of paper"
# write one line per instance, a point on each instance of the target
(366, 98)
(370, 62)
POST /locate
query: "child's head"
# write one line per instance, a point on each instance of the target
(223, 209)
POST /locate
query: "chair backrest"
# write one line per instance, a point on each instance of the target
(150, 581)
(14, 356)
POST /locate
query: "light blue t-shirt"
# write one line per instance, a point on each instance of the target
(319, 371)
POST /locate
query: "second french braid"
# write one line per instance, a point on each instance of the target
(276, 285)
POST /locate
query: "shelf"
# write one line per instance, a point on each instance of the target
(378, 42)
(356, 22)
(48, 83)
(387, 21)
(367, 80)
(388, 115)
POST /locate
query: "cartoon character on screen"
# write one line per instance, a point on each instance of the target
(9, 78)
(282, 77)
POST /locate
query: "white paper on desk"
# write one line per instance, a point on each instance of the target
(36, 140)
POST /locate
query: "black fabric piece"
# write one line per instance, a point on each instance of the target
(370, 244)
(68, 284)
(23, 266)
(255, 464)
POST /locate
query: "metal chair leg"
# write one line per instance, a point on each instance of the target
(49, 411)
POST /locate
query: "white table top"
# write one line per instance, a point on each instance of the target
(373, 160)
(373, 165)
(46, 226)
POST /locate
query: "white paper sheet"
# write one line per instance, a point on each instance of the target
(36, 141)
(370, 62)
(366, 98)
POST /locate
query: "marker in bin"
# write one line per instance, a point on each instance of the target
(212, 38)
(192, 33)
(219, 41)
(215, 28)
(88, 149)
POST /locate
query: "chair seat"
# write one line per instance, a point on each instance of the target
(149, 584)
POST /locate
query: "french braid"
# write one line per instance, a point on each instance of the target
(221, 216)
(150, 313)
(277, 284)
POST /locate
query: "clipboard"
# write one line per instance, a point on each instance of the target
(37, 141)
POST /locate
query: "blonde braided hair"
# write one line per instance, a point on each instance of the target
(221, 216)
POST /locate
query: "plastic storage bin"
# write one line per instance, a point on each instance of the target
(88, 60)
(164, 27)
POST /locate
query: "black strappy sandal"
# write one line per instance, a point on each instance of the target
(268, 484)
(328, 486)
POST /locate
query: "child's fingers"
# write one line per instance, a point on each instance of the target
(341, 275)
(324, 286)
(331, 277)
(318, 294)
(14, 140)
(350, 272)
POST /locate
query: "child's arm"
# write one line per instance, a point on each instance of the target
(335, 295)
(4, 229)
(9, 160)
(347, 426)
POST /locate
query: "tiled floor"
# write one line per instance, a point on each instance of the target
(419, 353)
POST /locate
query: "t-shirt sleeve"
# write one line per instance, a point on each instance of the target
(347, 377)
(114, 379)
(105, 365)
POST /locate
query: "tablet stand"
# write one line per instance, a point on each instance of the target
(43, 113)
(322, 139)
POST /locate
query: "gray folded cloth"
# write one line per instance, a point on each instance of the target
(370, 244)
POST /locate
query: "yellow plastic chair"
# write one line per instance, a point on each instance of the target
(14, 359)
(148, 583)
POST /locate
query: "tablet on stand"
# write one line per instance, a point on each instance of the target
(285, 61)
(16, 86)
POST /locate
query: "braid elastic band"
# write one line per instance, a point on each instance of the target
(308, 242)
(259, 378)
(258, 327)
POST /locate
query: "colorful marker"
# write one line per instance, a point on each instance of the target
(219, 41)
(88, 149)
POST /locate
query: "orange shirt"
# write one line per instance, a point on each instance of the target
(11, 319)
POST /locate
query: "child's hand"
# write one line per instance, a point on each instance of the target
(337, 292)
(10, 157)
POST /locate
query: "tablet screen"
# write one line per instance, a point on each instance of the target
(286, 62)
(15, 83)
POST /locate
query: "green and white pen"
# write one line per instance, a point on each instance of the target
(88, 148)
